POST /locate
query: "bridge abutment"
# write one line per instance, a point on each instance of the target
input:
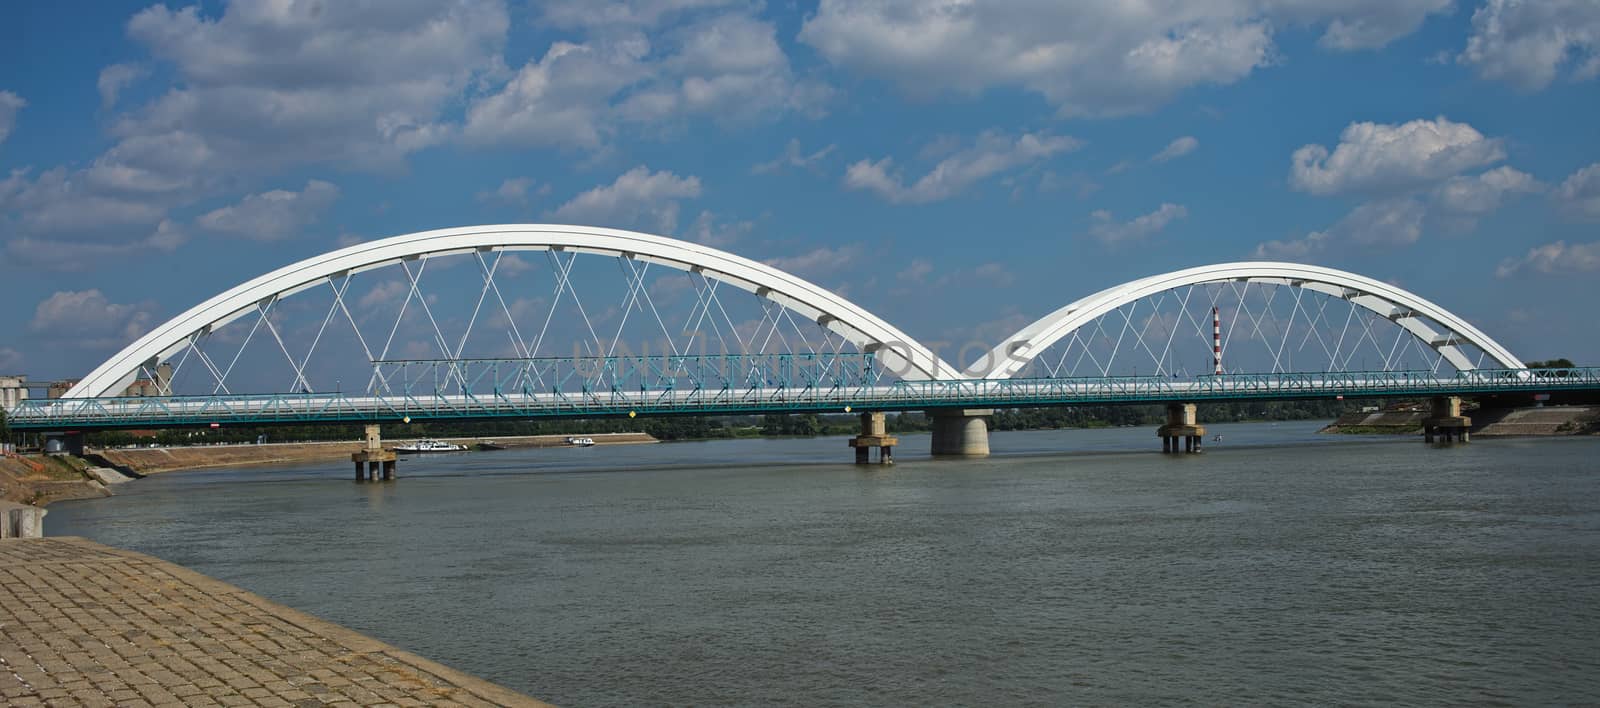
(1445, 423)
(960, 432)
(1182, 433)
(874, 434)
(374, 462)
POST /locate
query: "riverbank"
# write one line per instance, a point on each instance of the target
(40, 479)
(155, 633)
(173, 459)
(1486, 422)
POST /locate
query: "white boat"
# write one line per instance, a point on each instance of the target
(580, 442)
(429, 446)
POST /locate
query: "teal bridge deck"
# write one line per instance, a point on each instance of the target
(734, 384)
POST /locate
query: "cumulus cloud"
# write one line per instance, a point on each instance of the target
(87, 319)
(274, 215)
(512, 192)
(710, 230)
(818, 261)
(1462, 200)
(638, 198)
(631, 14)
(10, 104)
(1109, 231)
(1099, 57)
(1389, 222)
(258, 88)
(1579, 194)
(1528, 43)
(268, 84)
(793, 156)
(1378, 158)
(113, 79)
(1553, 258)
(726, 66)
(993, 153)
(1176, 149)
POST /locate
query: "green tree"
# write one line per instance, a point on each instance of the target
(1562, 363)
(5, 428)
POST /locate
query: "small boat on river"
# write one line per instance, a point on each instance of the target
(425, 445)
(490, 445)
(580, 442)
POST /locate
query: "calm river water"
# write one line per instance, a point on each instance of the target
(1076, 567)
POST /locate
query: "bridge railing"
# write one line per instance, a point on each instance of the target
(800, 391)
(804, 371)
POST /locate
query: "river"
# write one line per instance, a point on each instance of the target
(1073, 567)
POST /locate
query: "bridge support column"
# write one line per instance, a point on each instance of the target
(960, 432)
(874, 434)
(1445, 423)
(68, 443)
(1182, 433)
(374, 460)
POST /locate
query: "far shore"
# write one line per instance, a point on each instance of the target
(158, 460)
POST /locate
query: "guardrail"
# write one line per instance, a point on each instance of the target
(757, 397)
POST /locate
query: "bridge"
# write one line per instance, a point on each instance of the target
(467, 324)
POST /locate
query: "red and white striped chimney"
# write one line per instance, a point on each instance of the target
(1216, 341)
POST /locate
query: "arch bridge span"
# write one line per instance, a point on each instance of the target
(864, 330)
(1431, 325)
(525, 386)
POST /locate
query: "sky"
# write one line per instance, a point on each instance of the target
(955, 167)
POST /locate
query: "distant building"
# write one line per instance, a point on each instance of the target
(13, 391)
(161, 385)
(60, 388)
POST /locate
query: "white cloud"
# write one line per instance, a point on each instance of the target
(1095, 57)
(1527, 43)
(56, 253)
(561, 99)
(10, 104)
(1456, 204)
(818, 261)
(638, 198)
(1176, 149)
(1382, 158)
(1579, 194)
(793, 156)
(728, 67)
(993, 153)
(1553, 258)
(1109, 231)
(274, 215)
(1462, 200)
(10, 359)
(86, 319)
(613, 14)
(513, 191)
(113, 79)
(916, 271)
(711, 231)
(1388, 222)
(272, 84)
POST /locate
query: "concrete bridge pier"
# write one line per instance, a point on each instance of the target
(1446, 423)
(374, 462)
(960, 432)
(874, 434)
(1182, 433)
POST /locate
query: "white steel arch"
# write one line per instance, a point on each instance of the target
(1400, 306)
(901, 354)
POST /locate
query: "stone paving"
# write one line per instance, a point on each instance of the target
(87, 624)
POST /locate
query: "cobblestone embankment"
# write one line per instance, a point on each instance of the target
(87, 624)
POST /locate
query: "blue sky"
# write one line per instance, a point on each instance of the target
(954, 168)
